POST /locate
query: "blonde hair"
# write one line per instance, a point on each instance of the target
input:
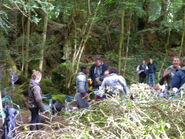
(36, 74)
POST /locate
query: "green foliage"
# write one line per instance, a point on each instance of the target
(60, 75)
(60, 97)
(4, 21)
(19, 99)
(49, 87)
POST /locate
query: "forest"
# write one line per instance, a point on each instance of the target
(56, 37)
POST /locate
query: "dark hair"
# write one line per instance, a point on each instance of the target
(113, 70)
(83, 67)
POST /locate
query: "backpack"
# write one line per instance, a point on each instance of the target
(10, 123)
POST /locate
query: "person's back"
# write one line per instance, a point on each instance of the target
(116, 82)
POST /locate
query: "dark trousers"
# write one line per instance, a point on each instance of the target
(35, 118)
(142, 79)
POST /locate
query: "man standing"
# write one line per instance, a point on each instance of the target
(82, 87)
(142, 70)
(97, 72)
(178, 79)
(170, 72)
(151, 73)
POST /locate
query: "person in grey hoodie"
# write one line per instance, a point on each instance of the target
(115, 82)
(82, 88)
(178, 79)
(170, 72)
(35, 103)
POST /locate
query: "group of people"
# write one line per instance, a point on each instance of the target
(173, 76)
(102, 77)
(147, 69)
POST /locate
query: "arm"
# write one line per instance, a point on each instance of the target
(146, 67)
(155, 69)
(164, 76)
(137, 69)
(38, 98)
(104, 68)
(103, 86)
(124, 85)
(175, 83)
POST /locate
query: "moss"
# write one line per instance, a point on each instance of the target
(60, 97)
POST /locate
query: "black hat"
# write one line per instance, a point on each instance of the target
(83, 67)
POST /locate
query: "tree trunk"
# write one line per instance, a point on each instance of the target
(128, 40)
(43, 41)
(182, 47)
(121, 43)
(89, 6)
(166, 49)
(23, 43)
(27, 44)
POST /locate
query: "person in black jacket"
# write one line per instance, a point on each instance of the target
(151, 73)
(97, 72)
(142, 71)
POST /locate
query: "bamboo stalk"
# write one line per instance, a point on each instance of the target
(121, 44)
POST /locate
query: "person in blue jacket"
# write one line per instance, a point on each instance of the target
(179, 78)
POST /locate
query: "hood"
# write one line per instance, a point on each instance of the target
(34, 83)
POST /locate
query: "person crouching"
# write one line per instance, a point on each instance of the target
(114, 82)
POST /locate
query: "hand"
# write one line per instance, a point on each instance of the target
(84, 95)
(44, 112)
(140, 71)
(166, 73)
